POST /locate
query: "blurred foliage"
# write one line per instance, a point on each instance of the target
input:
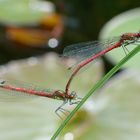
(91, 15)
(20, 12)
(83, 21)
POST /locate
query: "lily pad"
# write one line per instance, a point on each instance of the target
(34, 118)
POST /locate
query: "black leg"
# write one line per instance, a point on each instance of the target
(62, 110)
(76, 102)
(124, 49)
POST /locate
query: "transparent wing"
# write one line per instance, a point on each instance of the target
(85, 50)
(81, 49)
(12, 95)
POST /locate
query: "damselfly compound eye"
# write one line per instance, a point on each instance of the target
(73, 94)
(2, 82)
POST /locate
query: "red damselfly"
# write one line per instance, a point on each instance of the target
(86, 52)
(17, 90)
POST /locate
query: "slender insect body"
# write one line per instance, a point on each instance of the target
(96, 49)
(58, 94)
(9, 89)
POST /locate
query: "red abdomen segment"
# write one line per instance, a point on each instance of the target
(17, 90)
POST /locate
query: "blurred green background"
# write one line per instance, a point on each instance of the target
(33, 34)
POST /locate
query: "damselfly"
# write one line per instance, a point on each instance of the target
(10, 90)
(89, 51)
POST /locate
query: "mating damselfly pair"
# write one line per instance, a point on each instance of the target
(87, 52)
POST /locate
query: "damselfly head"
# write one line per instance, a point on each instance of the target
(129, 37)
(73, 95)
(2, 82)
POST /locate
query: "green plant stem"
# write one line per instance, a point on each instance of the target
(94, 88)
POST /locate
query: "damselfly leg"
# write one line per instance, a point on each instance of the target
(62, 110)
(73, 99)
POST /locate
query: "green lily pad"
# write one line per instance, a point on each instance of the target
(124, 23)
(24, 12)
(35, 118)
